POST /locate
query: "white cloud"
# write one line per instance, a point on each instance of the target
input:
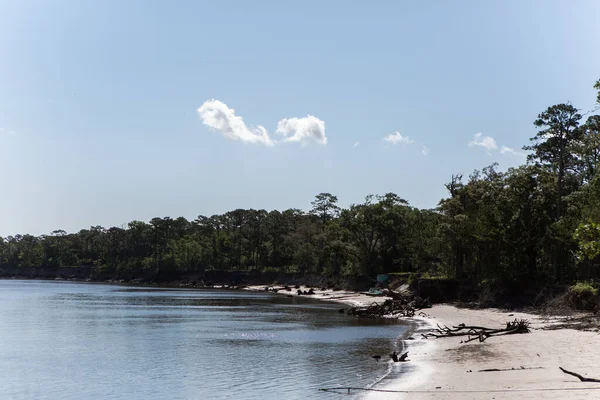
(356, 144)
(219, 117)
(8, 132)
(397, 138)
(510, 151)
(487, 142)
(425, 150)
(490, 144)
(216, 115)
(302, 130)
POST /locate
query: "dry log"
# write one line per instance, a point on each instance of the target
(507, 369)
(581, 378)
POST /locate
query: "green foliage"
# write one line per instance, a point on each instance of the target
(588, 240)
(325, 207)
(583, 296)
(583, 289)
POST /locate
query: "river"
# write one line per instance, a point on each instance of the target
(68, 340)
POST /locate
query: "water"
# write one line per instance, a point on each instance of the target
(64, 340)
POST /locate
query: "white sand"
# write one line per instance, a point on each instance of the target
(447, 369)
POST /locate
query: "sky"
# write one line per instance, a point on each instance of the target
(113, 111)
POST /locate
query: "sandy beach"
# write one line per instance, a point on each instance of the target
(445, 368)
(448, 369)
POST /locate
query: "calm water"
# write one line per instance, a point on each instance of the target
(63, 340)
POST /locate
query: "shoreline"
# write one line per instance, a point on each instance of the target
(415, 326)
(446, 368)
(525, 365)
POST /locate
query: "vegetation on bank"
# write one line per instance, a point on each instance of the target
(531, 226)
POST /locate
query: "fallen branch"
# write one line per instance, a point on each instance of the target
(401, 306)
(507, 369)
(480, 333)
(581, 378)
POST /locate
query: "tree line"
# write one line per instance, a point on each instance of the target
(382, 234)
(534, 224)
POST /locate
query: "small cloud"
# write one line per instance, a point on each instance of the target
(397, 138)
(487, 142)
(425, 150)
(4, 131)
(217, 116)
(490, 144)
(302, 130)
(356, 144)
(510, 151)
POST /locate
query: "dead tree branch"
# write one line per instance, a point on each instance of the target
(581, 378)
(480, 333)
(399, 306)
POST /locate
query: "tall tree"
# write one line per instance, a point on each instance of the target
(325, 207)
(553, 144)
(588, 150)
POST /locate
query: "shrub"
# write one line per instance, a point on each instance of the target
(583, 296)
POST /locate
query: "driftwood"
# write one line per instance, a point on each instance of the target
(387, 308)
(399, 306)
(581, 378)
(401, 358)
(480, 333)
(506, 369)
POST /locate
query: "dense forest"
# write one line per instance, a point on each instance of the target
(532, 225)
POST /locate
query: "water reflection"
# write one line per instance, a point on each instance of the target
(62, 340)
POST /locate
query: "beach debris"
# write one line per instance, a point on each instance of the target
(399, 306)
(478, 332)
(507, 369)
(387, 308)
(581, 378)
(586, 322)
(417, 301)
(271, 289)
(402, 358)
(306, 292)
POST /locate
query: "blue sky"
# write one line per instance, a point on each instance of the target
(100, 100)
